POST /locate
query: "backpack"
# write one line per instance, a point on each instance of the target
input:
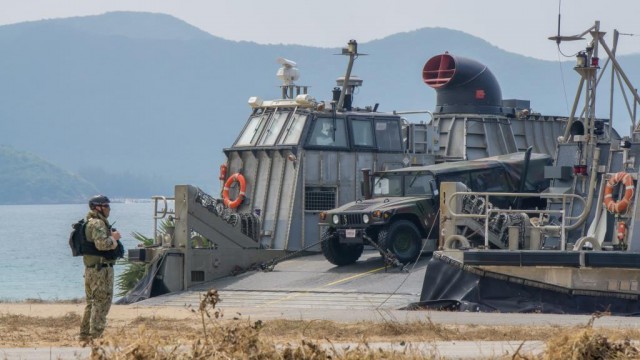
(77, 237)
(80, 246)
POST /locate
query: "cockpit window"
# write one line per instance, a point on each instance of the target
(387, 185)
(362, 132)
(324, 134)
(274, 127)
(388, 135)
(293, 130)
(252, 130)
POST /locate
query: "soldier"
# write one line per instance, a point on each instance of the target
(99, 257)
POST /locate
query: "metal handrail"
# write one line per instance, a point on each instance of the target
(488, 211)
(160, 214)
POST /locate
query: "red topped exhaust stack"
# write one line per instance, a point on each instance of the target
(439, 70)
(463, 85)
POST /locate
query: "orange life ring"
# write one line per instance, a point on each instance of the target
(225, 192)
(620, 206)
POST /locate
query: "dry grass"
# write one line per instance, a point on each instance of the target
(587, 343)
(209, 334)
(236, 340)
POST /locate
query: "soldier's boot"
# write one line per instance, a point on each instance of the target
(84, 339)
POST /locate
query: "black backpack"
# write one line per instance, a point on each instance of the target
(77, 237)
(80, 246)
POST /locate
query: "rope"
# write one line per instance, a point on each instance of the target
(270, 265)
(412, 268)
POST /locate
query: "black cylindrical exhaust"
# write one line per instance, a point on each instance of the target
(463, 85)
(348, 100)
(336, 94)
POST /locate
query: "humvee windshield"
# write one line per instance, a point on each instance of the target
(399, 185)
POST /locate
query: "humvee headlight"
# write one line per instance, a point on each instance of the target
(335, 219)
(365, 218)
(323, 216)
(377, 214)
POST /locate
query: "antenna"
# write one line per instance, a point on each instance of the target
(352, 51)
(558, 37)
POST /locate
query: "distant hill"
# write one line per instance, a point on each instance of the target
(148, 101)
(28, 179)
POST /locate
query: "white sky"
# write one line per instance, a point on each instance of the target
(514, 25)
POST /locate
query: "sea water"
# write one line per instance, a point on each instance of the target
(35, 258)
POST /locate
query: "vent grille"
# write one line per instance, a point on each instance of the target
(319, 198)
(357, 207)
(197, 276)
(351, 219)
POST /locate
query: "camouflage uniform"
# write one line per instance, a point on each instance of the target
(98, 277)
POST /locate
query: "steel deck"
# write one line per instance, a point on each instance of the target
(312, 282)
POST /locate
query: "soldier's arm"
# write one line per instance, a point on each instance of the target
(99, 233)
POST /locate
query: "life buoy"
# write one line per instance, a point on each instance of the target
(225, 192)
(456, 242)
(595, 245)
(620, 206)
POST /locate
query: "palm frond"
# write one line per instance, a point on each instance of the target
(133, 272)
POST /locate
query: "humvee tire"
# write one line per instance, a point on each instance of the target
(403, 240)
(336, 253)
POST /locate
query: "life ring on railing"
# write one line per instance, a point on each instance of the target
(620, 206)
(595, 245)
(456, 242)
(225, 192)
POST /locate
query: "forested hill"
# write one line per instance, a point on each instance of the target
(27, 179)
(138, 102)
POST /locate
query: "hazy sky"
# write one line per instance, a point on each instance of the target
(513, 25)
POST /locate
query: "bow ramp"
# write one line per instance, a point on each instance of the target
(311, 283)
(185, 263)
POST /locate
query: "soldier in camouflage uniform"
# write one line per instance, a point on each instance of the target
(98, 273)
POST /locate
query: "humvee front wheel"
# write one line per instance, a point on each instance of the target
(403, 240)
(336, 253)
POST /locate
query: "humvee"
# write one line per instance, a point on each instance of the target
(400, 207)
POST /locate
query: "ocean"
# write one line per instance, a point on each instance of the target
(35, 258)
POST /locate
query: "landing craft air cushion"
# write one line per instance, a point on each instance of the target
(297, 157)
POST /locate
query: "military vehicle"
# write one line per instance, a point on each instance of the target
(402, 208)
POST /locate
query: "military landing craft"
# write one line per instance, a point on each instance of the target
(298, 156)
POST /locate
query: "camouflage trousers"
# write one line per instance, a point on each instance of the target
(98, 287)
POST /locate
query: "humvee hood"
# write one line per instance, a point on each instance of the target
(377, 204)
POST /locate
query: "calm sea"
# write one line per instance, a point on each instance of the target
(35, 259)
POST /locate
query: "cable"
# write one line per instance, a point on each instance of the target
(413, 267)
(558, 38)
(564, 85)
